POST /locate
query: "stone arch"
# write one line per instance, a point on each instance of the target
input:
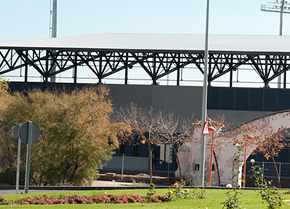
(226, 158)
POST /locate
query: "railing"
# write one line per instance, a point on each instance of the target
(268, 169)
(137, 164)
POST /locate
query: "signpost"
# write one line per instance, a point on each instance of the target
(166, 155)
(204, 100)
(205, 130)
(15, 135)
(28, 133)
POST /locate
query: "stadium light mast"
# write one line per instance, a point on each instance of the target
(54, 19)
(278, 6)
(53, 35)
(204, 101)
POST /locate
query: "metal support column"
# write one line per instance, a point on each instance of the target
(75, 68)
(178, 70)
(126, 69)
(26, 69)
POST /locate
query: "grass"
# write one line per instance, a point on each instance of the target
(213, 199)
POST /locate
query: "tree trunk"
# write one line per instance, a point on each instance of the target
(150, 161)
(217, 168)
(177, 160)
(278, 176)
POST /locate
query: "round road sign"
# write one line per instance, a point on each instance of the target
(23, 132)
(15, 131)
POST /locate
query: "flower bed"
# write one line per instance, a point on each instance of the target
(177, 193)
(75, 199)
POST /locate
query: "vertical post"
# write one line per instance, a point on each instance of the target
(28, 156)
(100, 67)
(45, 78)
(280, 34)
(54, 19)
(204, 102)
(178, 70)
(75, 68)
(168, 172)
(281, 18)
(280, 170)
(18, 165)
(210, 164)
(231, 77)
(122, 167)
(263, 168)
(126, 69)
(245, 158)
(285, 79)
(53, 35)
(26, 69)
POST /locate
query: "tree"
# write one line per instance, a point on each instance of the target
(220, 126)
(77, 136)
(141, 123)
(266, 140)
(170, 129)
(271, 145)
(8, 146)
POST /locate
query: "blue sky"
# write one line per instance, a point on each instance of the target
(29, 19)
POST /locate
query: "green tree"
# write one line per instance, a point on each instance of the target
(77, 136)
(8, 145)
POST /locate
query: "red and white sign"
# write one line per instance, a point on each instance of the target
(205, 130)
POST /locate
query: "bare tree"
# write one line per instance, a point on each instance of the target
(220, 126)
(141, 122)
(271, 145)
(267, 141)
(173, 131)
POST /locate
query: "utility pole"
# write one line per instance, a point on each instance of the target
(278, 6)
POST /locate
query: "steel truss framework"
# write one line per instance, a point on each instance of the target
(50, 62)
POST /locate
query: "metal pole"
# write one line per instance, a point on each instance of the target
(18, 165)
(245, 158)
(168, 165)
(280, 34)
(280, 170)
(53, 35)
(54, 19)
(122, 167)
(281, 18)
(210, 164)
(263, 168)
(204, 102)
(28, 156)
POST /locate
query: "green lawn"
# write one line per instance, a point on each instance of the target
(214, 197)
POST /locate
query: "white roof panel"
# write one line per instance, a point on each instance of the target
(162, 42)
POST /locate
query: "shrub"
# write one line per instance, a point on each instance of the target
(8, 176)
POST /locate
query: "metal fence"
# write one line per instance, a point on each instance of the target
(137, 164)
(268, 169)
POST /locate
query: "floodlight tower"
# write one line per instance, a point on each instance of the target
(278, 6)
(53, 35)
(54, 19)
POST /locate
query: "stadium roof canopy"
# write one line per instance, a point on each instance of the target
(157, 54)
(161, 43)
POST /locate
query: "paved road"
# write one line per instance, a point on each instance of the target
(95, 185)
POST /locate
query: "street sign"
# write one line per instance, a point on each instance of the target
(15, 131)
(23, 132)
(205, 130)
